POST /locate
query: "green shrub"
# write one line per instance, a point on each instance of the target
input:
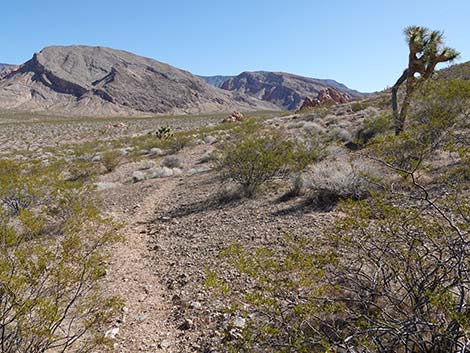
(81, 170)
(176, 143)
(17, 190)
(52, 261)
(110, 159)
(372, 127)
(358, 106)
(258, 158)
(318, 113)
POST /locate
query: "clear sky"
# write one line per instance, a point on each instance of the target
(357, 42)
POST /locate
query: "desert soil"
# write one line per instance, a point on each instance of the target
(176, 228)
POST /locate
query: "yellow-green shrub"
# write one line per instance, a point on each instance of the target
(260, 157)
(52, 260)
(110, 159)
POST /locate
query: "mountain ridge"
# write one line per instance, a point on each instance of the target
(99, 81)
(286, 90)
(4, 66)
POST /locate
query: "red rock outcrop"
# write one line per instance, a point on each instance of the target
(328, 96)
(235, 117)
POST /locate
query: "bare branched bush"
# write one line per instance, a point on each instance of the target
(339, 179)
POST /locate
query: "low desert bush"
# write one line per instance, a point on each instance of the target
(172, 162)
(163, 138)
(296, 187)
(339, 179)
(391, 274)
(358, 106)
(372, 127)
(16, 187)
(339, 134)
(81, 170)
(177, 143)
(315, 113)
(258, 158)
(52, 261)
(110, 160)
(297, 184)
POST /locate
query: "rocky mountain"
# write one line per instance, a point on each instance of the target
(286, 90)
(98, 81)
(216, 81)
(4, 66)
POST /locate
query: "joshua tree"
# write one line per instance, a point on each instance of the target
(426, 51)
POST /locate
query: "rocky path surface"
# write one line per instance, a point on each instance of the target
(176, 229)
(144, 326)
(133, 272)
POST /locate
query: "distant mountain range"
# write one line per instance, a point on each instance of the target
(4, 66)
(98, 81)
(287, 91)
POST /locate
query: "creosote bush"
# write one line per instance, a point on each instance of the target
(260, 157)
(51, 263)
(110, 160)
(358, 106)
(373, 127)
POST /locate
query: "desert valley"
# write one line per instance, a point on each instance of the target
(149, 209)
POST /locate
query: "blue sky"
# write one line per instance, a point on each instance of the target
(359, 43)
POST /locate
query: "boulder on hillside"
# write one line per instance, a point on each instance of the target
(326, 97)
(235, 117)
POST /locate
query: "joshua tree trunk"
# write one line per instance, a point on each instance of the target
(398, 123)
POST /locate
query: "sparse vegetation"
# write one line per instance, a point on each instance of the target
(339, 229)
(334, 180)
(52, 261)
(358, 106)
(172, 162)
(392, 273)
(372, 127)
(164, 133)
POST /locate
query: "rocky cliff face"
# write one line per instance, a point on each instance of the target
(287, 91)
(326, 97)
(97, 81)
